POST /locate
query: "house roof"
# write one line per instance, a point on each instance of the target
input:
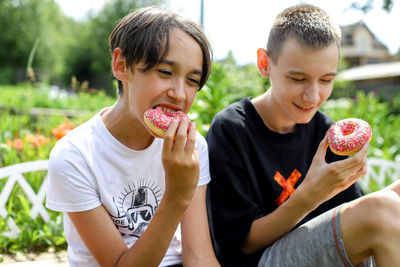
(371, 71)
(349, 30)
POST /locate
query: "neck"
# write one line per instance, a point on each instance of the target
(272, 114)
(126, 129)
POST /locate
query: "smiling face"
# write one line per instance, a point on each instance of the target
(301, 81)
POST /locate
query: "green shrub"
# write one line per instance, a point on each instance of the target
(385, 142)
(26, 137)
(227, 83)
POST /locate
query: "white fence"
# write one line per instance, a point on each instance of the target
(15, 174)
(381, 172)
(378, 172)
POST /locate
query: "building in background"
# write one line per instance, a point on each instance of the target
(371, 67)
(360, 46)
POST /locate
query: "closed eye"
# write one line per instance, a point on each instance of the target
(165, 72)
(194, 81)
(297, 79)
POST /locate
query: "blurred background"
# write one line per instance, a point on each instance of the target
(68, 38)
(55, 74)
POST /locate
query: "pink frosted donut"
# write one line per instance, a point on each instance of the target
(159, 119)
(347, 136)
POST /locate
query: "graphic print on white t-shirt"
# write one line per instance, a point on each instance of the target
(135, 206)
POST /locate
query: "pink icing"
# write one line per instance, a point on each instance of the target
(349, 134)
(162, 119)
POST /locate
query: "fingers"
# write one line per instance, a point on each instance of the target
(191, 139)
(169, 136)
(180, 136)
(323, 145)
(353, 168)
(353, 173)
(358, 158)
(364, 149)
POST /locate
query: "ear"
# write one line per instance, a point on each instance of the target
(262, 62)
(119, 65)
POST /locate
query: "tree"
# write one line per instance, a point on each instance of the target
(64, 47)
(90, 57)
(23, 22)
(387, 5)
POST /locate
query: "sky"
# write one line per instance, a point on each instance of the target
(242, 26)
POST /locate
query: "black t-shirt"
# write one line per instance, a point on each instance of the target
(253, 170)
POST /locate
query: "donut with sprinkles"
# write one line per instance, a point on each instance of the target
(159, 119)
(347, 136)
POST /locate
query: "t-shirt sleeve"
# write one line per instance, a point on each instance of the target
(204, 177)
(230, 202)
(70, 186)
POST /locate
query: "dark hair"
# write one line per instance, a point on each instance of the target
(143, 35)
(309, 24)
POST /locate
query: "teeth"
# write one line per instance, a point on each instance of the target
(304, 107)
(167, 109)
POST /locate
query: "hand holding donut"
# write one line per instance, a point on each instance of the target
(179, 154)
(325, 180)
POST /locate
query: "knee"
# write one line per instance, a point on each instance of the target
(371, 224)
(381, 212)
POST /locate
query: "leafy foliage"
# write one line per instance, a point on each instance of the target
(24, 137)
(25, 22)
(227, 83)
(368, 5)
(93, 60)
(385, 142)
(66, 47)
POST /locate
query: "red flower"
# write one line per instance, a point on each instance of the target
(17, 144)
(37, 139)
(61, 130)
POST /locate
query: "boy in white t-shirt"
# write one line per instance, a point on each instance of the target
(128, 198)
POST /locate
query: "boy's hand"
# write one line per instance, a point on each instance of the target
(181, 162)
(323, 180)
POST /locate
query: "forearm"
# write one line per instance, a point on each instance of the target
(197, 249)
(181, 165)
(266, 230)
(150, 248)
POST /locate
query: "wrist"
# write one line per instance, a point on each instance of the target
(177, 201)
(300, 202)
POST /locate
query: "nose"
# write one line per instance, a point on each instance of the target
(311, 94)
(177, 91)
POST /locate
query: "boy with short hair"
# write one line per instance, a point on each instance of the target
(128, 198)
(277, 196)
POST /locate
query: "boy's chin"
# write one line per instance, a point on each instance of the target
(305, 119)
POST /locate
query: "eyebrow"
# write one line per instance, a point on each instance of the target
(173, 64)
(302, 73)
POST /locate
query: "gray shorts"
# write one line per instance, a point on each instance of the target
(318, 242)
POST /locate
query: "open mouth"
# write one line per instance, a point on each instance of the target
(167, 111)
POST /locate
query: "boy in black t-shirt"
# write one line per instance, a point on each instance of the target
(277, 196)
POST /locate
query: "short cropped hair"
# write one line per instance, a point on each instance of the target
(309, 24)
(143, 35)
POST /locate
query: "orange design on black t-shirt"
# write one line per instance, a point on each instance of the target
(287, 185)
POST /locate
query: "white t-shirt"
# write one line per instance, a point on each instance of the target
(89, 167)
